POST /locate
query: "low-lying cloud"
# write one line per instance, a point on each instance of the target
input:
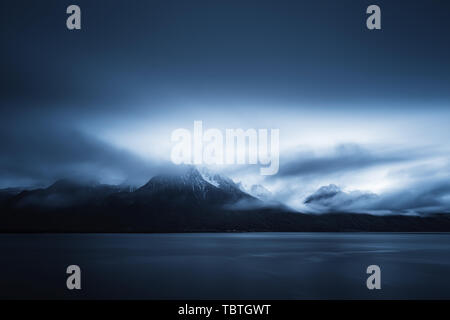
(420, 198)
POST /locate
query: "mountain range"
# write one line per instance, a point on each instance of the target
(187, 201)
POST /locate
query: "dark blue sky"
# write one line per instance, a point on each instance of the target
(101, 102)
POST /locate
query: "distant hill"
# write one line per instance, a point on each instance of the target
(188, 201)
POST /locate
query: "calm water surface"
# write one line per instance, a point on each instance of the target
(226, 265)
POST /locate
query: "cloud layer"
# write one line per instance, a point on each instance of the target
(420, 198)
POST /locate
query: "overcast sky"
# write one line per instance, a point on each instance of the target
(366, 111)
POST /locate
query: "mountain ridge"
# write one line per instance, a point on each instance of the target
(181, 202)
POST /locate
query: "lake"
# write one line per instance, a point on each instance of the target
(225, 265)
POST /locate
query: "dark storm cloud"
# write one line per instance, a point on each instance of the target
(39, 153)
(344, 158)
(278, 51)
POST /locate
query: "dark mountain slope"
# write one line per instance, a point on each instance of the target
(183, 202)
